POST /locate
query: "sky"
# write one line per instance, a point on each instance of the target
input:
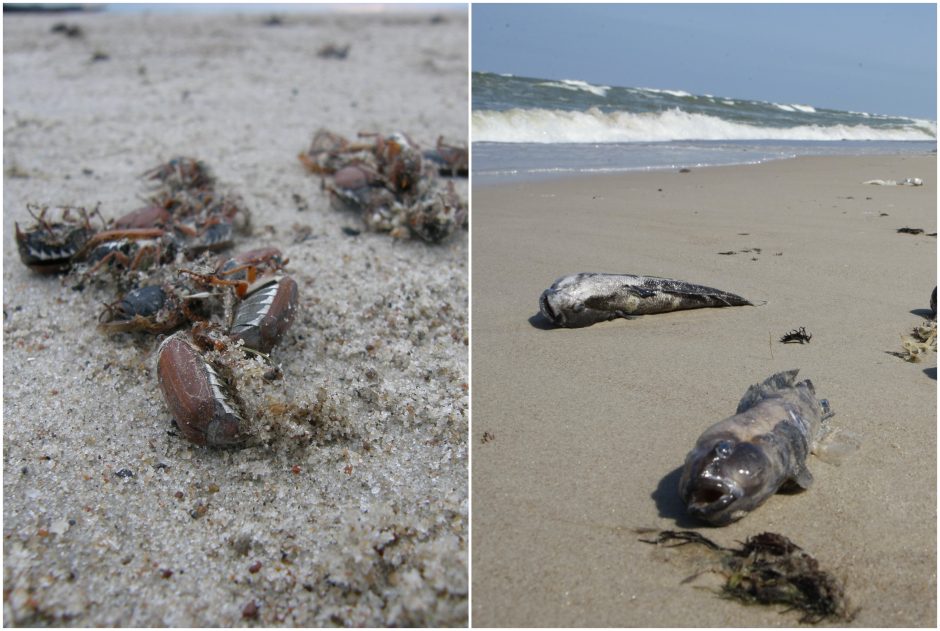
(875, 58)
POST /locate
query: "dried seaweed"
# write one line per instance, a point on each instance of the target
(922, 340)
(770, 569)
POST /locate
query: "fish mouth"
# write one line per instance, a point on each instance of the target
(710, 501)
(546, 308)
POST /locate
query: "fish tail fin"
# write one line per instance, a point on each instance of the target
(772, 384)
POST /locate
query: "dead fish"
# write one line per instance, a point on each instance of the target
(586, 298)
(741, 461)
(908, 181)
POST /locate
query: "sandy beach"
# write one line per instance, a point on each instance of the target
(110, 518)
(579, 434)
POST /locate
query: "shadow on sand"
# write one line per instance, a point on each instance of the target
(541, 322)
(670, 504)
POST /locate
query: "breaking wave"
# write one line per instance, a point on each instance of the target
(537, 125)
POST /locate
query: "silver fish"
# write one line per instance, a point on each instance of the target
(741, 461)
(585, 298)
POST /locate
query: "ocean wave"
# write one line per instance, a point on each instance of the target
(806, 109)
(595, 126)
(574, 84)
(676, 93)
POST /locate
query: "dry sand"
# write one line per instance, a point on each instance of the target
(366, 525)
(590, 426)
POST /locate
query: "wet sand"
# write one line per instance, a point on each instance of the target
(110, 517)
(587, 428)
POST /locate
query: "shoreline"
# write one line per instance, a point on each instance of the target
(588, 427)
(494, 162)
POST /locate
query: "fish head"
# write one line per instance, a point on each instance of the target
(724, 478)
(553, 305)
(564, 308)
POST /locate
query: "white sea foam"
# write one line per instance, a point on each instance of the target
(593, 125)
(573, 84)
(678, 93)
(806, 109)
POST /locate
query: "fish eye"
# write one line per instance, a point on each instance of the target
(724, 448)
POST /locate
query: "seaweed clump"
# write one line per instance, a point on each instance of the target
(770, 569)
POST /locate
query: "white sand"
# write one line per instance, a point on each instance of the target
(372, 530)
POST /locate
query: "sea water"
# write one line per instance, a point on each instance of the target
(525, 128)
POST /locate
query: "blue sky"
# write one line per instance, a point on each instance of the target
(876, 58)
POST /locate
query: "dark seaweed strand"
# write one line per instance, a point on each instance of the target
(797, 335)
(684, 537)
(771, 569)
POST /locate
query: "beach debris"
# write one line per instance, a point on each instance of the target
(922, 340)
(181, 174)
(797, 335)
(184, 216)
(389, 183)
(265, 313)
(738, 463)
(333, 51)
(910, 181)
(73, 31)
(451, 159)
(487, 437)
(586, 298)
(329, 152)
(50, 244)
(744, 251)
(769, 569)
(933, 302)
(201, 401)
(160, 257)
(907, 230)
(151, 309)
(300, 202)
